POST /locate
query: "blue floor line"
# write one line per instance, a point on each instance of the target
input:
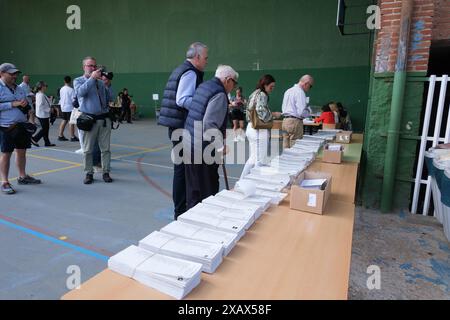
(57, 241)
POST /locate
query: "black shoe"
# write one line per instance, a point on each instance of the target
(107, 178)
(50, 144)
(34, 143)
(89, 178)
(74, 139)
(62, 139)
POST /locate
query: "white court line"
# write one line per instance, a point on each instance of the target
(132, 161)
(164, 167)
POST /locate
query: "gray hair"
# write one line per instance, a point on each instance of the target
(224, 71)
(195, 49)
(306, 78)
(88, 58)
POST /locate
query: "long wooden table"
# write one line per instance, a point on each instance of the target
(286, 254)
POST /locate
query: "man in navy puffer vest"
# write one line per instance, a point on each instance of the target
(177, 98)
(205, 135)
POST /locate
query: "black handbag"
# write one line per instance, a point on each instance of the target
(85, 122)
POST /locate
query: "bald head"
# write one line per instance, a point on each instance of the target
(306, 82)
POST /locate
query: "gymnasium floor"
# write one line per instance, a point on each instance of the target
(46, 228)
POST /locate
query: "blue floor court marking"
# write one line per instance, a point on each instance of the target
(57, 241)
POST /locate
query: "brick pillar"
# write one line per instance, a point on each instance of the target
(387, 39)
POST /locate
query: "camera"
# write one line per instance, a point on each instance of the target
(108, 74)
(25, 109)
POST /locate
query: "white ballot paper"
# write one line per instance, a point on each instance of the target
(208, 254)
(283, 180)
(276, 197)
(313, 184)
(126, 261)
(214, 221)
(174, 277)
(264, 202)
(247, 188)
(247, 216)
(268, 186)
(248, 208)
(192, 231)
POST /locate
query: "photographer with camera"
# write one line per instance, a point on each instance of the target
(43, 110)
(93, 99)
(14, 128)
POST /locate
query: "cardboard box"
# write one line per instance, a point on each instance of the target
(310, 200)
(344, 137)
(277, 124)
(332, 156)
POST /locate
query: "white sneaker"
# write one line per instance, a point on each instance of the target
(241, 138)
(236, 139)
(79, 151)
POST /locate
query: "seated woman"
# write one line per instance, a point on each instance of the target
(344, 117)
(327, 116)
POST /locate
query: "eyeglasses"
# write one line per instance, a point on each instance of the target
(91, 65)
(234, 81)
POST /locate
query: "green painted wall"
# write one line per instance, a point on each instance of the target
(375, 139)
(142, 41)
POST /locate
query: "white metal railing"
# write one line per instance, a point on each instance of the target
(435, 138)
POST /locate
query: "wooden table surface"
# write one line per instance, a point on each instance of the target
(286, 254)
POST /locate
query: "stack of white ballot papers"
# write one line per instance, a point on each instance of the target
(266, 185)
(214, 221)
(191, 231)
(208, 254)
(248, 217)
(283, 180)
(316, 139)
(172, 276)
(250, 209)
(263, 202)
(276, 197)
(314, 184)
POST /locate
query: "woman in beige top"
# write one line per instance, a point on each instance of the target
(259, 139)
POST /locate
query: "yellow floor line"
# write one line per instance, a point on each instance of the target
(50, 171)
(140, 152)
(52, 159)
(130, 147)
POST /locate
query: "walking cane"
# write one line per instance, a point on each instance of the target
(225, 176)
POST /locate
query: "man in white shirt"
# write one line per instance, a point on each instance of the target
(25, 85)
(66, 94)
(295, 109)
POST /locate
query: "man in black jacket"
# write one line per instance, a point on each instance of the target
(177, 99)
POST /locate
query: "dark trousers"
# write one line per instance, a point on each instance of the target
(178, 184)
(202, 181)
(43, 132)
(96, 155)
(126, 114)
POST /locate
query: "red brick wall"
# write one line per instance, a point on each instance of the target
(441, 23)
(420, 35)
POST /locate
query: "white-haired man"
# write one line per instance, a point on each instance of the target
(208, 113)
(177, 98)
(295, 109)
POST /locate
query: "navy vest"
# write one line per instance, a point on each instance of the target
(171, 115)
(202, 95)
